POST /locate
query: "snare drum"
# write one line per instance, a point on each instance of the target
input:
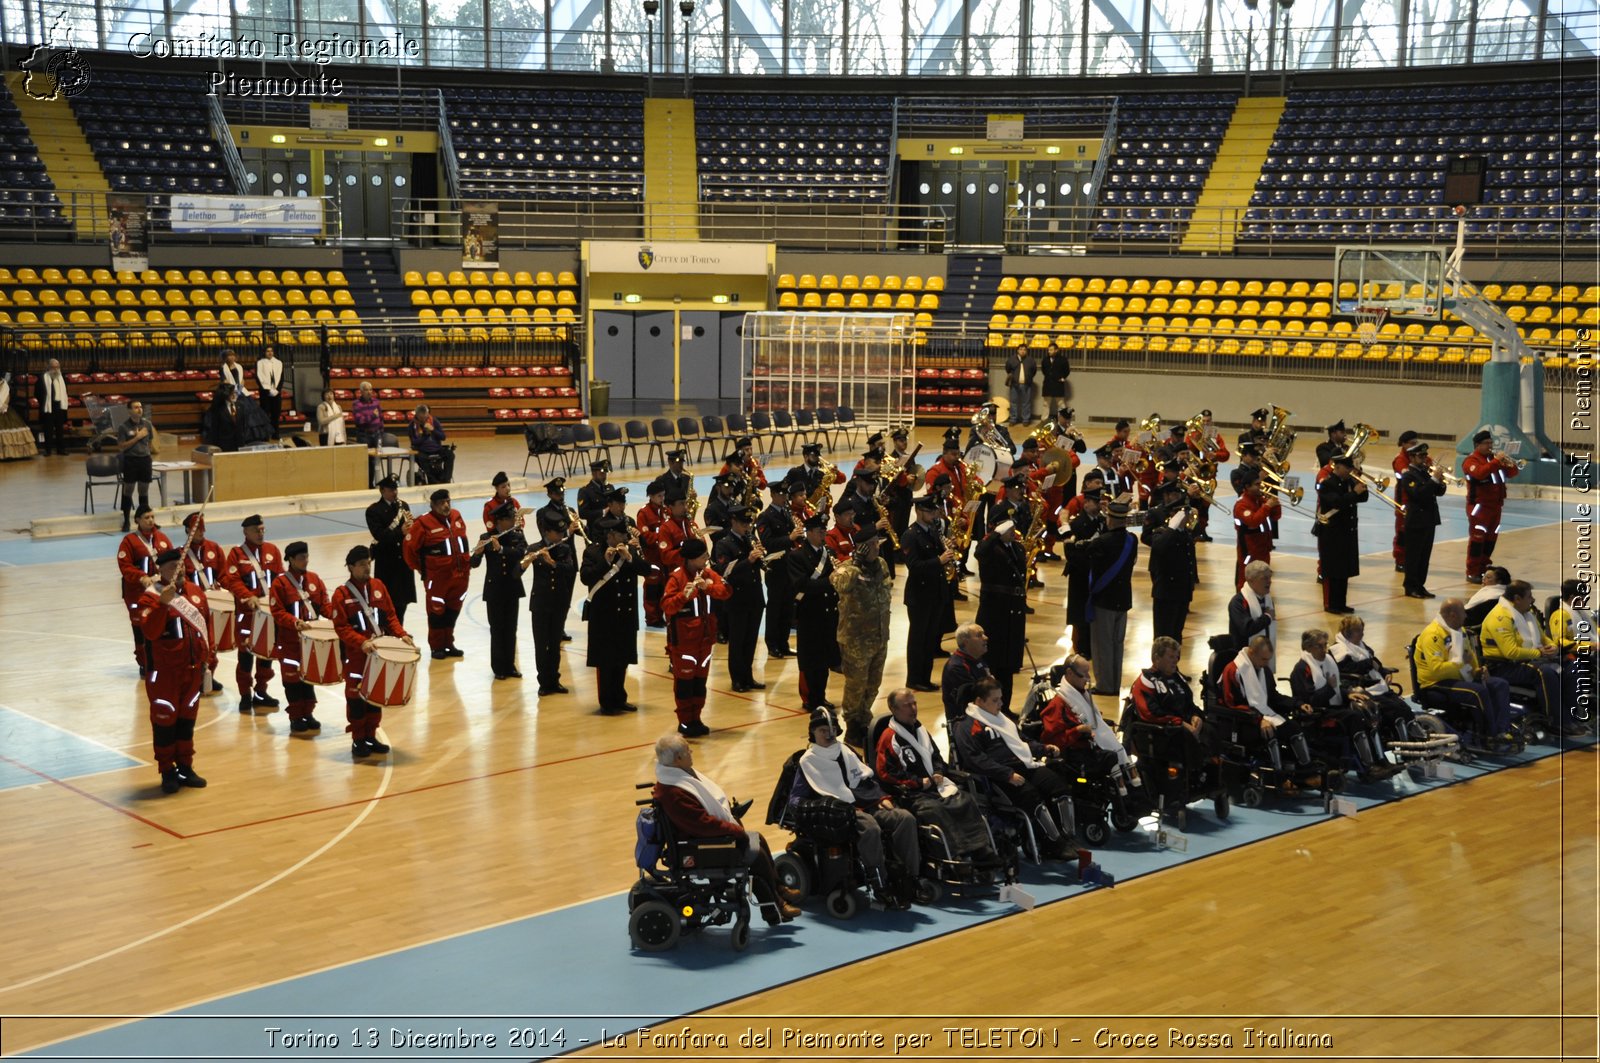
(263, 641)
(319, 654)
(391, 675)
(224, 636)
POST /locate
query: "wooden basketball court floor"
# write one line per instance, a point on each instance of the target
(1459, 922)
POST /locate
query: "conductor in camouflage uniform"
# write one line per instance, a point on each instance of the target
(862, 582)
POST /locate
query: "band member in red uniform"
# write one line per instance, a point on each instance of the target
(841, 538)
(298, 597)
(691, 633)
(502, 493)
(1401, 462)
(743, 461)
(436, 546)
(203, 560)
(649, 521)
(949, 464)
(248, 576)
(362, 610)
(136, 560)
(1255, 525)
(1487, 473)
(676, 529)
(172, 619)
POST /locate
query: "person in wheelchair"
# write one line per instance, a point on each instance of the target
(1495, 581)
(1315, 681)
(1367, 680)
(1248, 696)
(1447, 669)
(1572, 629)
(698, 808)
(1161, 695)
(1074, 725)
(990, 746)
(1516, 649)
(830, 769)
(913, 772)
(435, 457)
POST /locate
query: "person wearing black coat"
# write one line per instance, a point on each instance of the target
(555, 571)
(778, 531)
(500, 552)
(928, 594)
(737, 558)
(1174, 571)
(1085, 526)
(592, 495)
(611, 570)
(1057, 367)
(1110, 558)
(387, 521)
(1421, 485)
(816, 613)
(1002, 604)
(1338, 548)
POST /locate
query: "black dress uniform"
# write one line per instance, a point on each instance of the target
(1422, 493)
(1174, 572)
(1338, 545)
(612, 612)
(548, 604)
(1084, 527)
(928, 600)
(1002, 604)
(816, 615)
(387, 525)
(592, 501)
(502, 596)
(731, 559)
(775, 527)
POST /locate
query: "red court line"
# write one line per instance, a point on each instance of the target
(97, 800)
(789, 714)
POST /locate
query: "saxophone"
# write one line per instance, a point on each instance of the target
(973, 491)
(824, 488)
(693, 501)
(1034, 545)
(952, 567)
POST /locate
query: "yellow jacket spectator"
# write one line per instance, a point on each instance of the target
(1447, 668)
(1516, 649)
(1572, 627)
(1512, 635)
(1444, 654)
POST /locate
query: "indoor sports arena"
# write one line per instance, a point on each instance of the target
(1148, 443)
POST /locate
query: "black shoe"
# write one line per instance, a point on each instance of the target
(304, 725)
(629, 706)
(693, 730)
(1398, 567)
(451, 651)
(722, 640)
(565, 637)
(739, 808)
(753, 685)
(1474, 579)
(555, 688)
(125, 523)
(244, 706)
(440, 655)
(359, 750)
(188, 776)
(216, 687)
(1027, 610)
(741, 688)
(513, 674)
(265, 701)
(376, 747)
(779, 654)
(1036, 584)
(171, 781)
(1420, 594)
(923, 688)
(855, 734)
(1201, 538)
(957, 597)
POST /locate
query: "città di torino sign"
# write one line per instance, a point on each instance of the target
(661, 256)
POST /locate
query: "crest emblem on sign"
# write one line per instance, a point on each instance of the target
(647, 258)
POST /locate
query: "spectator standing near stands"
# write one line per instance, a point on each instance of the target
(269, 378)
(136, 440)
(368, 416)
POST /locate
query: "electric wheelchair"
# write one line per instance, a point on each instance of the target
(685, 884)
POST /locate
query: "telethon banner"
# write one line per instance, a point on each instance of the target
(480, 236)
(129, 231)
(266, 215)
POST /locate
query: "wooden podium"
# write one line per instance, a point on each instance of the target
(288, 471)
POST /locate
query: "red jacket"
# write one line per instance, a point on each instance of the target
(437, 547)
(1486, 483)
(672, 534)
(288, 607)
(841, 544)
(494, 504)
(1256, 522)
(243, 579)
(958, 478)
(1061, 726)
(690, 818)
(178, 646)
(352, 624)
(1194, 442)
(691, 625)
(650, 541)
(204, 562)
(136, 559)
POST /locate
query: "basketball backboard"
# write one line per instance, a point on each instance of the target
(1407, 280)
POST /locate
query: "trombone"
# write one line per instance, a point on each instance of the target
(1272, 483)
(1378, 486)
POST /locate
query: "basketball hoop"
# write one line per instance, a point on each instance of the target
(1369, 319)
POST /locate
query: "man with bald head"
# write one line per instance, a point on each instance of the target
(1446, 663)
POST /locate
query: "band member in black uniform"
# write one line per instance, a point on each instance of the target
(555, 569)
(1085, 526)
(617, 506)
(1422, 485)
(1338, 548)
(611, 570)
(676, 476)
(737, 559)
(899, 493)
(1257, 432)
(1248, 471)
(809, 471)
(501, 552)
(778, 532)
(816, 612)
(1174, 571)
(1334, 444)
(555, 511)
(1002, 602)
(858, 495)
(592, 495)
(1111, 556)
(725, 498)
(928, 591)
(387, 521)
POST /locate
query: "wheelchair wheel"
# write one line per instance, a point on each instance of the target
(793, 873)
(1251, 796)
(1220, 805)
(741, 935)
(1123, 820)
(654, 926)
(843, 903)
(928, 891)
(1095, 832)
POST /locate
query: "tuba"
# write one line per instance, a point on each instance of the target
(824, 488)
(1148, 432)
(1280, 440)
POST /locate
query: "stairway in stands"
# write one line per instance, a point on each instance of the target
(971, 283)
(671, 170)
(376, 285)
(67, 158)
(1234, 174)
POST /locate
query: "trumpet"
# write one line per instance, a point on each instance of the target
(1446, 477)
(1507, 459)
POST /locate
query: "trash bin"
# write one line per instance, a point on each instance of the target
(599, 398)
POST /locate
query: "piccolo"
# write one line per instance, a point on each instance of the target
(534, 555)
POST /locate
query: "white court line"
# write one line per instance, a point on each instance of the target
(372, 803)
(75, 734)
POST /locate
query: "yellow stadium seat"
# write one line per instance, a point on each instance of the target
(914, 284)
(267, 278)
(1051, 284)
(224, 297)
(1048, 302)
(905, 301)
(811, 301)
(100, 297)
(1025, 302)
(891, 283)
(477, 277)
(933, 284)
(1029, 284)
(248, 297)
(859, 300)
(929, 301)
(835, 300)
(850, 282)
(872, 283)
(177, 297)
(829, 282)
(787, 301)
(882, 301)
(1003, 302)
(199, 297)
(1008, 284)
(786, 280)
(483, 297)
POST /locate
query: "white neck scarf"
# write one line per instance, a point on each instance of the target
(702, 789)
(55, 392)
(1344, 649)
(1527, 627)
(1007, 730)
(1081, 703)
(834, 771)
(1580, 626)
(1258, 604)
(1255, 687)
(1324, 673)
(1458, 641)
(920, 742)
(1486, 594)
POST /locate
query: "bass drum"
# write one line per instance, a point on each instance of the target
(985, 459)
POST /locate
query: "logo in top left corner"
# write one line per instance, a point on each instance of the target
(54, 69)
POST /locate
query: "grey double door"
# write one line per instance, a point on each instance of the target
(668, 355)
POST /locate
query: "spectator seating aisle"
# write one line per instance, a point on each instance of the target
(1166, 143)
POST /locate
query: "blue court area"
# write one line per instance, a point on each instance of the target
(51, 753)
(573, 969)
